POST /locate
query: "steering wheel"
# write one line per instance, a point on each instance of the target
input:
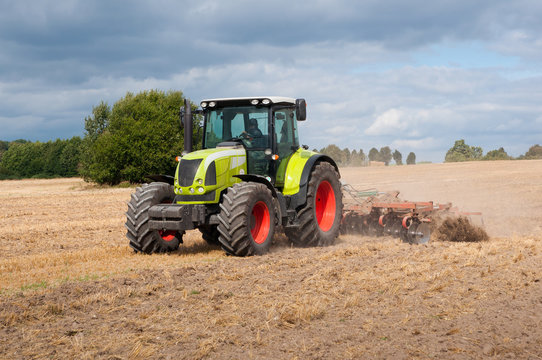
(246, 136)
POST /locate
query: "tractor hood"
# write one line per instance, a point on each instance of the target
(201, 175)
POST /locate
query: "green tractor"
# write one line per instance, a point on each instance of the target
(250, 178)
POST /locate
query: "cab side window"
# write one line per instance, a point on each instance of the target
(285, 132)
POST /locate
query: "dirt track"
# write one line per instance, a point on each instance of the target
(70, 286)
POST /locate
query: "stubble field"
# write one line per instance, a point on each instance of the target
(70, 287)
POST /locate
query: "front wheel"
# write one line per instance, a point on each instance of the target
(320, 218)
(143, 239)
(246, 219)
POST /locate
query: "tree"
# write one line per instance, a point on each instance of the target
(374, 155)
(397, 157)
(96, 124)
(535, 152)
(70, 157)
(140, 136)
(51, 158)
(347, 156)
(362, 157)
(385, 155)
(24, 160)
(4, 145)
(463, 152)
(334, 152)
(499, 154)
(357, 158)
(411, 159)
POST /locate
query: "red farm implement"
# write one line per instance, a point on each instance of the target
(374, 213)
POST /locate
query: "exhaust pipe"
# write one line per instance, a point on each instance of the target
(186, 122)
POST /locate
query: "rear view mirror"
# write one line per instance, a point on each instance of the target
(301, 109)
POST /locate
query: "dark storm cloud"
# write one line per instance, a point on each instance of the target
(151, 38)
(140, 38)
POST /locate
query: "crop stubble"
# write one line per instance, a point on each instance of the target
(71, 287)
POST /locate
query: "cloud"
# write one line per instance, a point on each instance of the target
(374, 73)
(388, 123)
(419, 144)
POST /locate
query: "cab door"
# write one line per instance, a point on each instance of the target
(286, 141)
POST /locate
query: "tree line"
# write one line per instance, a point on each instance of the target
(345, 157)
(24, 159)
(464, 152)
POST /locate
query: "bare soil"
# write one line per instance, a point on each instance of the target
(70, 287)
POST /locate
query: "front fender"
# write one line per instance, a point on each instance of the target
(259, 179)
(161, 178)
(282, 214)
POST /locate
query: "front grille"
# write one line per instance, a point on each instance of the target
(210, 196)
(187, 171)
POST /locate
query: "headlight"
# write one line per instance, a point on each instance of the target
(191, 190)
(212, 104)
(200, 181)
(266, 101)
(254, 102)
(203, 104)
(200, 190)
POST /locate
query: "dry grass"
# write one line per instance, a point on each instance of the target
(71, 287)
(57, 231)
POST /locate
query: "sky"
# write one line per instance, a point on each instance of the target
(412, 75)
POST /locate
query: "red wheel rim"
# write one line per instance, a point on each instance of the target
(167, 235)
(325, 206)
(261, 222)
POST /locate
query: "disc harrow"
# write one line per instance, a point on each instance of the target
(374, 213)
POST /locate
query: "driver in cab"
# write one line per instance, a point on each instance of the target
(253, 133)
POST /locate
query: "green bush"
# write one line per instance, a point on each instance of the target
(499, 154)
(535, 152)
(463, 152)
(139, 136)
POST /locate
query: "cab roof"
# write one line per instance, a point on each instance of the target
(238, 101)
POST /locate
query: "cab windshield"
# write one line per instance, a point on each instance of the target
(248, 124)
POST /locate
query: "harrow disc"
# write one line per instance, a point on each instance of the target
(418, 233)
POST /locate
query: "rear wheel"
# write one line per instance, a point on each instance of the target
(320, 218)
(143, 239)
(246, 219)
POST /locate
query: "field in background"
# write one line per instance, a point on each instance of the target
(71, 286)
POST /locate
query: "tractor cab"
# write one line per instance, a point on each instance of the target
(265, 126)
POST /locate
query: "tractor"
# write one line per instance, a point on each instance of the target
(250, 179)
